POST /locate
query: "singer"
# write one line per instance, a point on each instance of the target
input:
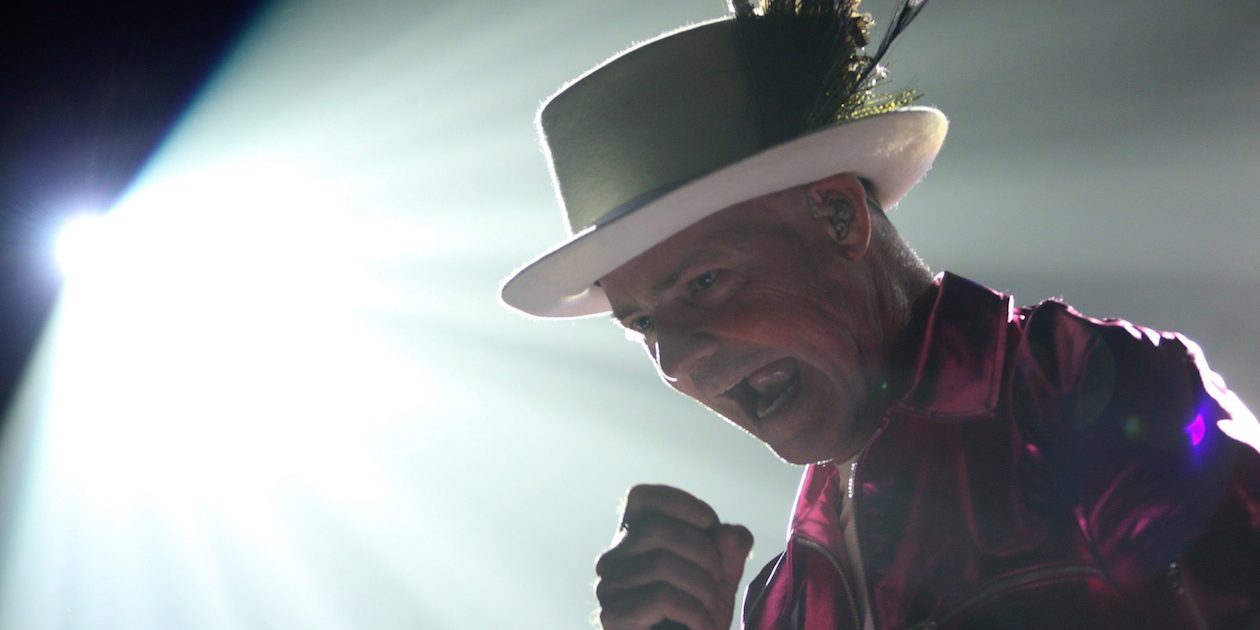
(968, 463)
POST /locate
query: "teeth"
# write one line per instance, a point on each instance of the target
(767, 406)
(769, 380)
(772, 386)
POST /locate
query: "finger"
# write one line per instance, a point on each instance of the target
(671, 502)
(651, 531)
(660, 566)
(733, 544)
(641, 608)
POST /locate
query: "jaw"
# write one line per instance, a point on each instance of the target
(756, 395)
(812, 424)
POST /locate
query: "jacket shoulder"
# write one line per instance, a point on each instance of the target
(1156, 383)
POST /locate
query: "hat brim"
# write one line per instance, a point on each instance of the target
(893, 150)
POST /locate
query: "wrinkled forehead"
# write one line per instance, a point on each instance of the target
(660, 267)
(735, 227)
(723, 231)
(717, 239)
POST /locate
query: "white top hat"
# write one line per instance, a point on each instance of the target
(680, 127)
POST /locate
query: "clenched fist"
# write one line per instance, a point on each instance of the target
(672, 561)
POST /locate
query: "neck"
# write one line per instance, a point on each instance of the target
(907, 292)
(903, 350)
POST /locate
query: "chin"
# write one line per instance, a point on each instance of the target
(798, 458)
(800, 436)
(820, 442)
(809, 447)
(795, 460)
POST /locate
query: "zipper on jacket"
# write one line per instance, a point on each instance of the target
(1187, 598)
(844, 581)
(1010, 583)
(851, 494)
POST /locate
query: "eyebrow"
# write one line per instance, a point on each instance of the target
(657, 289)
(671, 279)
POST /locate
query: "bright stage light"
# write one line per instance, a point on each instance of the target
(80, 243)
(278, 390)
(212, 358)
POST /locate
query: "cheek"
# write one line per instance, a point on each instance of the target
(814, 324)
(792, 317)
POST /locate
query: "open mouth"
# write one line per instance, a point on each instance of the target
(767, 389)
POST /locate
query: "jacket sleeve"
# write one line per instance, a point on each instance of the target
(1158, 461)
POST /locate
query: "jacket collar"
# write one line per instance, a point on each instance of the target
(957, 374)
(960, 364)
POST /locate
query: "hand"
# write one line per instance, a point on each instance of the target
(672, 560)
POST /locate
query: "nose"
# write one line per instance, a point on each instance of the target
(677, 348)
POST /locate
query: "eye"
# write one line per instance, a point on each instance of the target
(641, 324)
(704, 281)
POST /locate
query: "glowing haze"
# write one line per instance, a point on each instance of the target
(278, 390)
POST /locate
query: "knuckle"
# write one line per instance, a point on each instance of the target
(607, 621)
(605, 563)
(643, 497)
(659, 562)
(627, 609)
(639, 492)
(602, 589)
(648, 530)
(658, 592)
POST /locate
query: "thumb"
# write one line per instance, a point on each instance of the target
(733, 543)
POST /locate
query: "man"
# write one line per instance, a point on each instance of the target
(969, 464)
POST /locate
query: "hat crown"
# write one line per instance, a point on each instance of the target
(701, 98)
(658, 115)
(711, 116)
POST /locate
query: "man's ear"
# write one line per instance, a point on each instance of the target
(841, 200)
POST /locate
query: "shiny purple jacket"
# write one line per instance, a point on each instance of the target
(1043, 470)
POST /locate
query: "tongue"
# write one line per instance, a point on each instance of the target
(773, 379)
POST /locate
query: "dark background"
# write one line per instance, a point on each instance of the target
(87, 91)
